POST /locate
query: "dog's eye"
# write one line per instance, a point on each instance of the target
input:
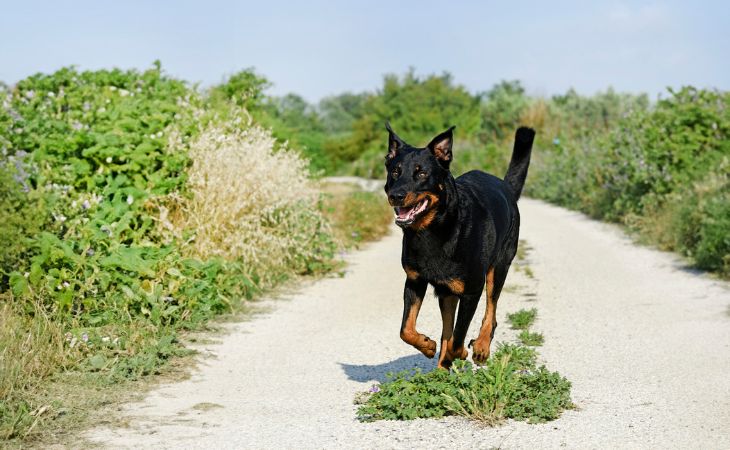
(421, 175)
(395, 173)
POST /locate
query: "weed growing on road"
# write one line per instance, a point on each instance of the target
(510, 385)
(531, 339)
(522, 319)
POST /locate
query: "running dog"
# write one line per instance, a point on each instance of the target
(459, 235)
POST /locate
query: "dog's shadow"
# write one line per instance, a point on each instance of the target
(378, 372)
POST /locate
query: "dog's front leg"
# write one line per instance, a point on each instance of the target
(413, 294)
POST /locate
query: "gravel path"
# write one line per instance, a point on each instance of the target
(645, 342)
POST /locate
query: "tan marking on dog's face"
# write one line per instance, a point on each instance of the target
(410, 273)
(411, 199)
(427, 217)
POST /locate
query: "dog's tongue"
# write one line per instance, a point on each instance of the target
(405, 213)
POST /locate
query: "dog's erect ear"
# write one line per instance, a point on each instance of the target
(394, 142)
(440, 146)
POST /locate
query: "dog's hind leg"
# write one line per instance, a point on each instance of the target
(495, 280)
(467, 307)
(447, 304)
(413, 294)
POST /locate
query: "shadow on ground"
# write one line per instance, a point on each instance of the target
(377, 372)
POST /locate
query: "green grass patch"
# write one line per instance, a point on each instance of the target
(530, 338)
(510, 385)
(356, 216)
(522, 319)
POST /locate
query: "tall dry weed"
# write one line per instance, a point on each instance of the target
(251, 202)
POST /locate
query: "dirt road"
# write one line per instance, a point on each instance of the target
(645, 342)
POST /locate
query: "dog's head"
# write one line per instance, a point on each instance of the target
(416, 178)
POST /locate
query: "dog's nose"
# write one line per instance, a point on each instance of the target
(396, 199)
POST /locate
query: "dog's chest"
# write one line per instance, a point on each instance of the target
(430, 262)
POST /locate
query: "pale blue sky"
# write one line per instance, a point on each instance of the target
(318, 48)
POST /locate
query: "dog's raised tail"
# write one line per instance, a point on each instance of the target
(517, 171)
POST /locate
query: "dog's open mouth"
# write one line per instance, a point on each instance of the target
(406, 215)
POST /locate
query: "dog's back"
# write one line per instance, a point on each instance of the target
(493, 201)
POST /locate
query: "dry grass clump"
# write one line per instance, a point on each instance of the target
(31, 347)
(251, 202)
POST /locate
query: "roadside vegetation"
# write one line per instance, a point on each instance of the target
(356, 216)
(135, 209)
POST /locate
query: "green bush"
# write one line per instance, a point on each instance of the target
(90, 162)
(24, 213)
(662, 171)
(418, 109)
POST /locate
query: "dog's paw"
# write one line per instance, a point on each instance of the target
(449, 354)
(427, 347)
(481, 351)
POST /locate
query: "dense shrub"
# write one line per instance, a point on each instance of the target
(662, 171)
(418, 109)
(252, 203)
(89, 162)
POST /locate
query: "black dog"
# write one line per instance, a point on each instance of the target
(458, 235)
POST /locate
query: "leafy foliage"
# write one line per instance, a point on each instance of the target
(522, 319)
(651, 169)
(89, 162)
(417, 107)
(509, 386)
(530, 338)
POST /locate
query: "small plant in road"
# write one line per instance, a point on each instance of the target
(531, 339)
(510, 385)
(522, 319)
